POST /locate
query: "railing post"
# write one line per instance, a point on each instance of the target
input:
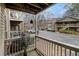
(35, 30)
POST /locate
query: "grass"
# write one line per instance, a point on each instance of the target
(70, 31)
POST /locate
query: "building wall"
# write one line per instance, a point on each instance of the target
(17, 20)
(7, 14)
(2, 29)
(44, 24)
(22, 26)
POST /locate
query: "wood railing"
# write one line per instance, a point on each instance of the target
(45, 46)
(11, 47)
(16, 46)
(53, 48)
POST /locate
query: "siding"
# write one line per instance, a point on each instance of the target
(2, 29)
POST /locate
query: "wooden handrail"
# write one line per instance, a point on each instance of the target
(58, 43)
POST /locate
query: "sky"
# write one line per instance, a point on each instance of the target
(57, 10)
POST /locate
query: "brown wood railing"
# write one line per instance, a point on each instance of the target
(11, 47)
(16, 46)
(54, 48)
(45, 46)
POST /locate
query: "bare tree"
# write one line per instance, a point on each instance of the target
(73, 10)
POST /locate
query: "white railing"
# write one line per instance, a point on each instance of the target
(15, 34)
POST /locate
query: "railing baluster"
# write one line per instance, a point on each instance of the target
(54, 49)
(47, 48)
(57, 50)
(11, 47)
(61, 50)
(41, 45)
(44, 46)
(75, 53)
(65, 51)
(8, 47)
(20, 44)
(50, 49)
(70, 52)
(15, 46)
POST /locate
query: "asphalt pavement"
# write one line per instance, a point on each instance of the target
(60, 37)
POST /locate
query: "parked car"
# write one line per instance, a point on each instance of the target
(31, 31)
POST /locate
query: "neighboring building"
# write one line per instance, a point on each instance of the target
(67, 23)
(46, 24)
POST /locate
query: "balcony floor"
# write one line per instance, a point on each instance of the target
(32, 53)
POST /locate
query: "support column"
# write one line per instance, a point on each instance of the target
(35, 29)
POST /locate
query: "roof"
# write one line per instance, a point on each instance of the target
(32, 8)
(68, 19)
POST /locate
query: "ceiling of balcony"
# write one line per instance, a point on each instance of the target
(32, 8)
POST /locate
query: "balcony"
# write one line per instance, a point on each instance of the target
(70, 25)
(15, 34)
(43, 45)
